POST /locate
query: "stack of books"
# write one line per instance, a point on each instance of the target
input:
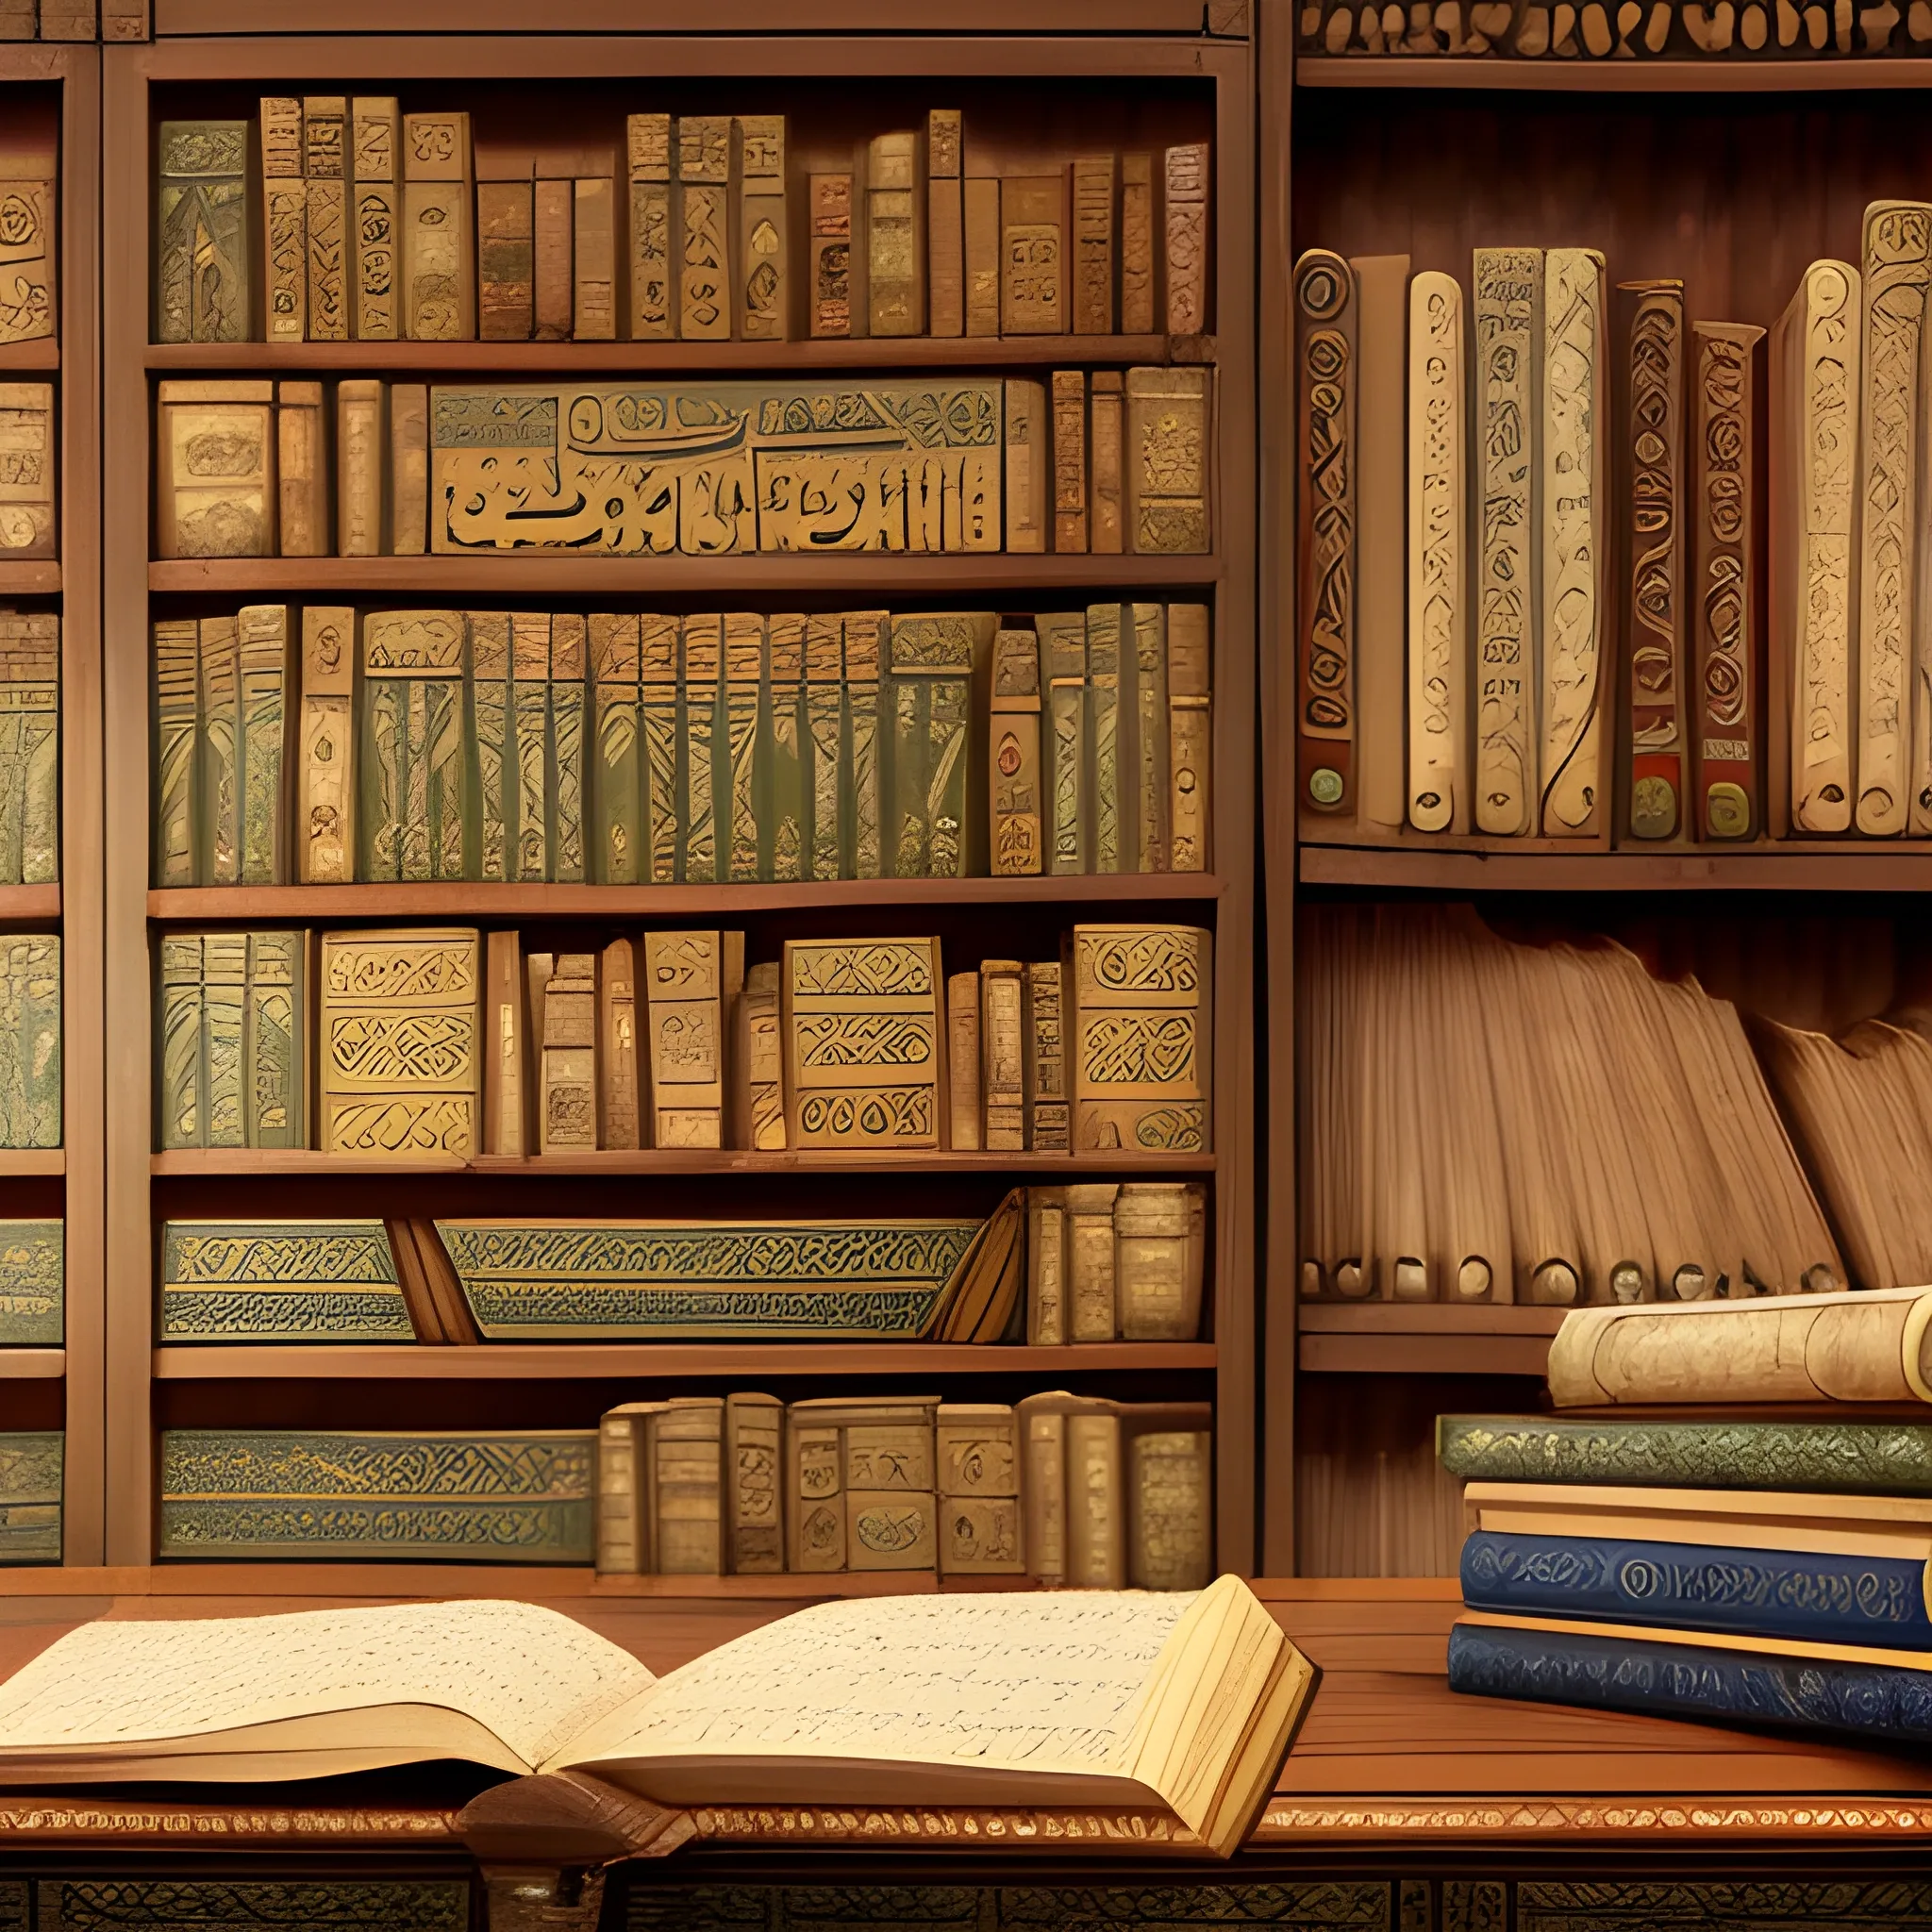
(1688, 1563)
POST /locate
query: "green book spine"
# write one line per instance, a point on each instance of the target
(1063, 674)
(179, 1103)
(278, 1112)
(29, 749)
(30, 1490)
(614, 765)
(658, 660)
(489, 688)
(263, 656)
(445, 774)
(946, 797)
(31, 1114)
(824, 679)
(201, 260)
(567, 696)
(224, 1025)
(1103, 732)
(177, 676)
(865, 665)
(1151, 763)
(703, 641)
(531, 715)
(220, 862)
(744, 645)
(908, 775)
(783, 815)
(32, 1284)
(413, 830)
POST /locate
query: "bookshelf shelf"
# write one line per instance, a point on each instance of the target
(18, 1161)
(32, 1364)
(506, 1361)
(1720, 75)
(455, 899)
(676, 1160)
(23, 357)
(29, 902)
(645, 359)
(1834, 868)
(30, 579)
(750, 578)
(1426, 1339)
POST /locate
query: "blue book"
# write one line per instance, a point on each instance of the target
(1795, 1594)
(1682, 1680)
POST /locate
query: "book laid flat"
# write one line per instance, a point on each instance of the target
(280, 1281)
(1185, 1703)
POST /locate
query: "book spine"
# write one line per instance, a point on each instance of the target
(263, 655)
(1106, 425)
(505, 260)
(891, 1499)
(618, 1111)
(686, 1472)
(703, 189)
(30, 764)
(567, 709)
(491, 742)
(1046, 1266)
(1103, 724)
(753, 1528)
(864, 660)
(380, 770)
(1096, 1539)
(376, 208)
(1126, 1094)
(528, 758)
(194, 515)
(569, 1110)
(1171, 1510)
(618, 1554)
(1090, 1271)
(945, 223)
(28, 518)
(202, 273)
(177, 725)
(553, 240)
(1093, 245)
(684, 980)
(785, 813)
(325, 134)
(594, 259)
(275, 1036)
(815, 1497)
(1048, 1116)
(699, 692)
(1165, 462)
(1028, 460)
(829, 294)
(224, 997)
(761, 1063)
(1063, 671)
(653, 308)
(1013, 776)
(361, 457)
(744, 651)
(615, 739)
(962, 1045)
(1033, 228)
(1069, 459)
(1158, 1277)
(895, 290)
(981, 199)
(408, 497)
(503, 1126)
(1189, 737)
(1186, 202)
(28, 260)
(1043, 1485)
(1146, 760)
(302, 468)
(438, 255)
(284, 221)
(764, 295)
(1139, 280)
(219, 860)
(825, 676)
(864, 1050)
(181, 1100)
(1003, 1054)
(657, 662)
(977, 1472)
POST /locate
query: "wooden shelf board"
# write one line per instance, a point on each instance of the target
(1427, 1318)
(643, 360)
(27, 577)
(1437, 1354)
(674, 1160)
(32, 1364)
(564, 1360)
(1867, 867)
(1721, 75)
(29, 902)
(16, 1161)
(460, 900)
(40, 355)
(987, 573)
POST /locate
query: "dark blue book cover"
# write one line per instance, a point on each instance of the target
(1682, 1680)
(1819, 1599)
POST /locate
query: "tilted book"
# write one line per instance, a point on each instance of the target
(1181, 1706)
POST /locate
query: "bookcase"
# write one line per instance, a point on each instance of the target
(1153, 71)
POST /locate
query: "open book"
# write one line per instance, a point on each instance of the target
(1184, 1702)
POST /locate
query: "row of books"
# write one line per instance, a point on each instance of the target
(840, 1043)
(381, 225)
(1091, 1263)
(29, 747)
(1112, 462)
(327, 744)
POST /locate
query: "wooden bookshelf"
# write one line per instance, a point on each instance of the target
(1154, 55)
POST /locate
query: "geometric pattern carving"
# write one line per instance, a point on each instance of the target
(211, 1904)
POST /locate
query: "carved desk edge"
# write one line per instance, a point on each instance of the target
(1645, 1820)
(29, 1820)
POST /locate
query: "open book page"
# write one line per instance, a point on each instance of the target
(529, 1675)
(1004, 1685)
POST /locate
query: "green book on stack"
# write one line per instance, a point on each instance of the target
(280, 1281)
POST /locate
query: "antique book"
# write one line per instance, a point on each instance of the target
(691, 979)
(569, 638)
(30, 1094)
(1185, 204)
(215, 464)
(859, 1482)
(409, 469)
(764, 292)
(361, 464)
(410, 765)
(302, 470)
(285, 227)
(263, 665)
(529, 831)
(744, 693)
(1859, 1457)
(649, 258)
(866, 647)
(1046, 1266)
(1381, 304)
(1166, 461)
(1091, 307)
(1160, 1260)
(983, 265)
(1104, 736)
(976, 1457)
(824, 702)
(493, 735)
(1013, 776)
(783, 751)
(1659, 495)
(271, 1494)
(200, 254)
(32, 1290)
(1048, 1116)
(279, 1281)
(26, 469)
(938, 672)
(1028, 465)
(30, 748)
(703, 225)
(567, 1104)
(1033, 277)
(615, 742)
(1507, 428)
(505, 259)
(325, 782)
(1065, 755)
(438, 252)
(1069, 459)
(1327, 382)
(29, 191)
(218, 812)
(401, 1063)
(375, 232)
(324, 143)
(1727, 714)
(1183, 1705)
(757, 1064)
(945, 223)
(528, 468)
(505, 1098)
(828, 287)
(1150, 704)
(753, 1474)
(30, 1495)
(1438, 792)
(1003, 1055)
(896, 237)
(231, 1039)
(1140, 256)
(1142, 1036)
(681, 1462)
(594, 259)
(1105, 428)
(1170, 1484)
(1815, 393)
(553, 244)
(962, 1062)
(861, 1024)
(1090, 1261)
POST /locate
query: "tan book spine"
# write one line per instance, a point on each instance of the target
(1046, 1266)
(1166, 465)
(896, 238)
(1107, 426)
(945, 223)
(594, 273)
(438, 254)
(1043, 1484)
(1097, 1527)
(1048, 1116)
(1171, 1510)
(1145, 779)
(1139, 281)
(570, 1054)
(617, 1551)
(1093, 245)
(977, 1470)
(814, 1494)
(617, 1046)
(1033, 226)
(302, 468)
(1159, 1282)
(686, 1484)
(684, 981)
(1134, 985)
(324, 133)
(1091, 1315)
(553, 231)
(325, 806)
(653, 271)
(1014, 752)
(503, 1110)
(829, 290)
(360, 446)
(537, 968)
(890, 1497)
(962, 1044)
(1069, 459)
(505, 260)
(1382, 329)
(1189, 737)
(1028, 465)
(764, 292)
(1187, 238)
(759, 1069)
(981, 198)
(753, 1493)
(374, 224)
(1003, 1054)
(285, 222)
(704, 199)
(196, 515)
(409, 444)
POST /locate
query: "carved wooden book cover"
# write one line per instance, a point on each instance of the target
(1142, 1045)
(29, 748)
(375, 226)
